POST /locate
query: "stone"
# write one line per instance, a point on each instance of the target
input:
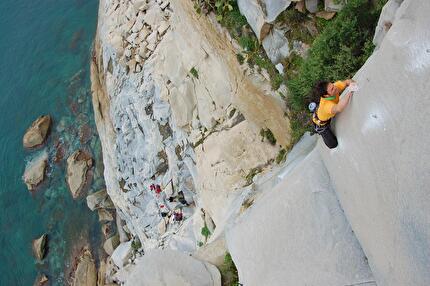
(99, 200)
(325, 15)
(101, 275)
(311, 5)
(78, 165)
(333, 5)
(35, 171)
(39, 247)
(121, 254)
(164, 25)
(280, 68)
(164, 5)
(255, 16)
(86, 272)
(41, 280)
(388, 210)
(168, 267)
(37, 132)
(276, 46)
(161, 227)
(275, 7)
(110, 244)
(304, 228)
(300, 6)
(385, 21)
(104, 215)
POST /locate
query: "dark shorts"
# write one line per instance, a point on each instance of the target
(329, 138)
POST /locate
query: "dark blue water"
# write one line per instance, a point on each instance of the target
(45, 48)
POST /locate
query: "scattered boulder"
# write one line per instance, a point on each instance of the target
(35, 171)
(276, 46)
(41, 280)
(37, 132)
(300, 6)
(169, 267)
(110, 244)
(39, 246)
(86, 272)
(255, 16)
(121, 254)
(104, 215)
(99, 200)
(311, 5)
(333, 5)
(78, 165)
(325, 15)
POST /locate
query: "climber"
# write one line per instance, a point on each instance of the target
(157, 189)
(329, 105)
(177, 215)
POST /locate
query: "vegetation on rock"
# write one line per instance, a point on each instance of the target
(229, 276)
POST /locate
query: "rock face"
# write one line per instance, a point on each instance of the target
(35, 171)
(167, 267)
(307, 237)
(37, 132)
(39, 246)
(78, 165)
(386, 20)
(380, 170)
(85, 273)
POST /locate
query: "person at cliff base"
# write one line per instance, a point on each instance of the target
(330, 104)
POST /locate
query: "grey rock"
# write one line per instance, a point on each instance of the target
(333, 5)
(39, 246)
(86, 272)
(35, 171)
(78, 165)
(168, 267)
(306, 236)
(104, 215)
(311, 5)
(276, 46)
(380, 169)
(37, 132)
(110, 244)
(99, 200)
(385, 21)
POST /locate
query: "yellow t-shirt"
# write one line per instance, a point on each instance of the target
(325, 106)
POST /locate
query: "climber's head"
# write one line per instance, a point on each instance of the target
(320, 89)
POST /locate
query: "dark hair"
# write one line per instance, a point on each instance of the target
(319, 90)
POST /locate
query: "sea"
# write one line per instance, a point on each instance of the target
(45, 53)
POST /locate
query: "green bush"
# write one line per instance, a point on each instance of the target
(229, 276)
(337, 53)
(205, 232)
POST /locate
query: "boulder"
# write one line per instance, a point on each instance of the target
(311, 5)
(99, 200)
(276, 46)
(169, 267)
(78, 165)
(39, 246)
(325, 15)
(333, 5)
(110, 244)
(37, 132)
(35, 171)
(104, 215)
(41, 280)
(274, 8)
(86, 272)
(121, 254)
(255, 16)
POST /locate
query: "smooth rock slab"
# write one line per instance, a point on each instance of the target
(297, 234)
(37, 132)
(78, 165)
(39, 246)
(169, 268)
(86, 272)
(35, 171)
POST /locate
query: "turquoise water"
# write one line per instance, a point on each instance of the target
(45, 51)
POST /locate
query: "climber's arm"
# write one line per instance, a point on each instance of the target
(343, 102)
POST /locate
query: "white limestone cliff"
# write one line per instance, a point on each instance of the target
(173, 107)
